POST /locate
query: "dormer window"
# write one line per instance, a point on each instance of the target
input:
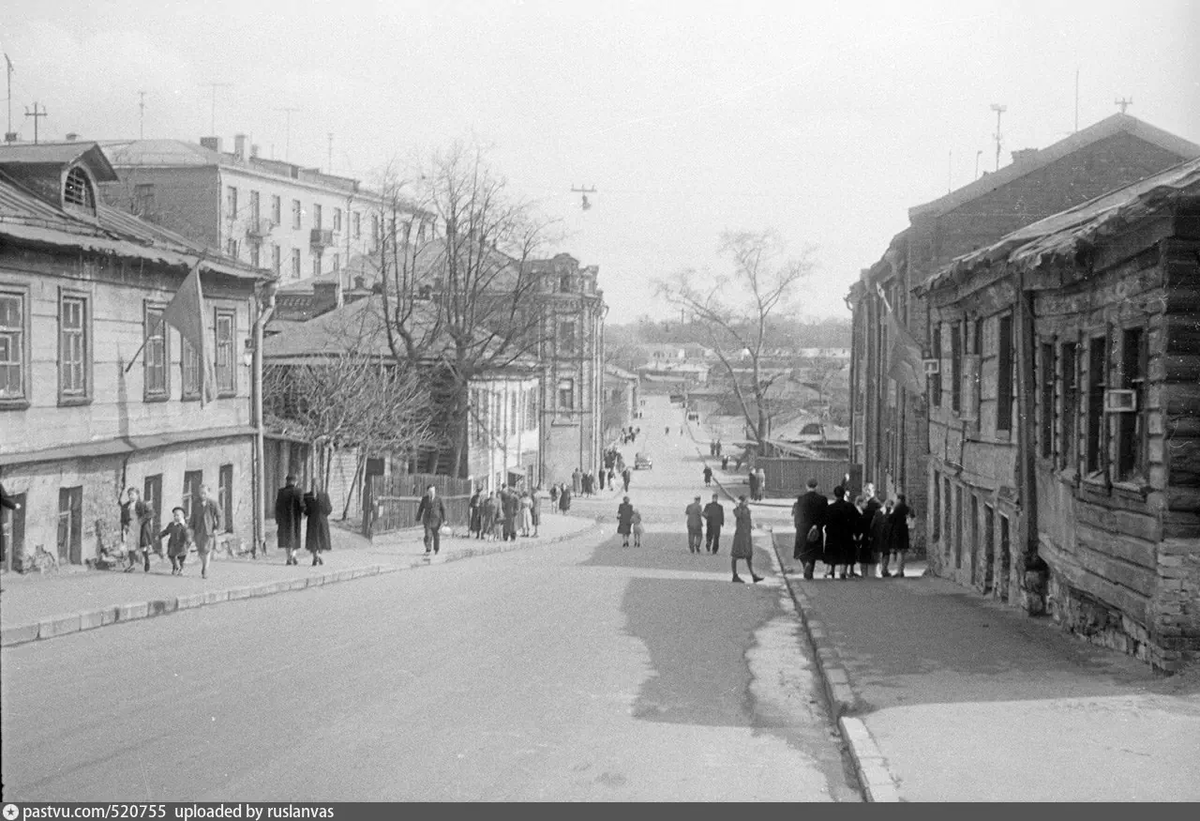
(78, 191)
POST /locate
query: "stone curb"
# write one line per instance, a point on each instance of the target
(875, 779)
(66, 624)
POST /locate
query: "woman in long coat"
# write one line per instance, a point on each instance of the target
(317, 508)
(564, 499)
(487, 517)
(625, 521)
(743, 546)
(475, 518)
(898, 537)
(137, 529)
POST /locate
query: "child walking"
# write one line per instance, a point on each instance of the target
(638, 530)
(180, 540)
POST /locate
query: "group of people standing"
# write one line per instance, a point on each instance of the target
(291, 508)
(629, 435)
(502, 512)
(183, 533)
(844, 534)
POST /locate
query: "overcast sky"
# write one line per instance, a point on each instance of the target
(826, 121)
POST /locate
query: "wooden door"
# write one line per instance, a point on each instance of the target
(70, 525)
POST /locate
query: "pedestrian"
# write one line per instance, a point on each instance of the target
(535, 510)
(808, 515)
(626, 475)
(554, 497)
(510, 505)
(474, 514)
(899, 522)
(601, 477)
(718, 447)
(526, 513)
(317, 508)
(137, 530)
(564, 499)
(725, 462)
(577, 482)
(431, 513)
(738, 462)
(667, 431)
(179, 541)
(871, 549)
(841, 527)
(487, 518)
(289, 505)
(752, 478)
(695, 525)
(862, 538)
(714, 517)
(707, 476)
(881, 536)
(205, 525)
(743, 546)
(762, 483)
(624, 521)
(612, 477)
(638, 529)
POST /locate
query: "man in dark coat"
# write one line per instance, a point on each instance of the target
(431, 513)
(809, 512)
(625, 477)
(695, 525)
(898, 531)
(289, 506)
(317, 508)
(842, 525)
(873, 505)
(707, 476)
(510, 507)
(714, 517)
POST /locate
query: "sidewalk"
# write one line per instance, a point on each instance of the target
(36, 606)
(944, 695)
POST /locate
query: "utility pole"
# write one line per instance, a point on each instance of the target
(36, 116)
(10, 136)
(999, 109)
(287, 132)
(213, 125)
(141, 115)
(1123, 103)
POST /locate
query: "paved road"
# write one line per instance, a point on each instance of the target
(577, 671)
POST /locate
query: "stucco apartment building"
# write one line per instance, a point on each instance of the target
(96, 394)
(296, 222)
(889, 425)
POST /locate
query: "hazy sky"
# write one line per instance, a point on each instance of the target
(826, 121)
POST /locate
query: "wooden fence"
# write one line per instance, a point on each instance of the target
(390, 502)
(788, 477)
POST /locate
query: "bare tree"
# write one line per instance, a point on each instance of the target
(462, 294)
(735, 311)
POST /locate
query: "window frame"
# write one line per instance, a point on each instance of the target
(297, 215)
(21, 401)
(1005, 365)
(1095, 454)
(276, 209)
(84, 396)
(1068, 417)
(276, 259)
(1132, 426)
(229, 314)
(956, 351)
(935, 382)
(1048, 392)
(296, 263)
(189, 362)
(152, 332)
(569, 383)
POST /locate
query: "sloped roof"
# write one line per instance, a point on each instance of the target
(59, 154)
(1115, 124)
(1061, 235)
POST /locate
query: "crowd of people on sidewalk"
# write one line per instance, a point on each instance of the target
(843, 535)
(504, 514)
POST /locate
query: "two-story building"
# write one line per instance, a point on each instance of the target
(97, 394)
(1064, 455)
(890, 425)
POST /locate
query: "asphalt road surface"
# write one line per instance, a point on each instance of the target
(581, 671)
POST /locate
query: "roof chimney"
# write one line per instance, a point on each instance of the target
(72, 137)
(1024, 155)
(211, 143)
(239, 146)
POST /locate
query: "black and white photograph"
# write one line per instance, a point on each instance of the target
(597, 401)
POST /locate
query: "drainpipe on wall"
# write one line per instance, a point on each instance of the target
(264, 306)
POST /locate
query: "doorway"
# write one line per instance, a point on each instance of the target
(1005, 557)
(70, 525)
(989, 548)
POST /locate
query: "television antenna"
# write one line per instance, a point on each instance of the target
(584, 190)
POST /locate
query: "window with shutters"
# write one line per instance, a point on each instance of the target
(1097, 360)
(1048, 371)
(226, 364)
(155, 354)
(1131, 424)
(14, 370)
(956, 367)
(1068, 446)
(74, 350)
(1004, 374)
(935, 381)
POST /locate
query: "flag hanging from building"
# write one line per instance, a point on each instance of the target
(186, 314)
(905, 363)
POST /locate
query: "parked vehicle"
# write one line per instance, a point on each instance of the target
(642, 462)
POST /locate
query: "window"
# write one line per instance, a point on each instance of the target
(190, 366)
(255, 211)
(337, 219)
(1049, 374)
(937, 507)
(1004, 374)
(1131, 425)
(316, 267)
(143, 199)
(295, 263)
(73, 349)
(1095, 411)
(231, 203)
(566, 337)
(531, 420)
(566, 394)
(357, 225)
(12, 347)
(226, 365)
(231, 247)
(225, 496)
(1067, 446)
(977, 338)
(956, 367)
(564, 283)
(936, 382)
(254, 255)
(276, 210)
(155, 354)
(78, 190)
(317, 215)
(276, 262)
(295, 213)
(192, 480)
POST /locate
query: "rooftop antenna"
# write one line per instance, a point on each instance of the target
(10, 136)
(584, 190)
(36, 116)
(999, 109)
(1123, 103)
(142, 115)
(213, 124)
(287, 132)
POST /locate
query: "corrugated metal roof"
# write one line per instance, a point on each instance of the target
(1061, 235)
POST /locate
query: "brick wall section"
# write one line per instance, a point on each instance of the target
(186, 200)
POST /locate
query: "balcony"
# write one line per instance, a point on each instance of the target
(258, 229)
(321, 237)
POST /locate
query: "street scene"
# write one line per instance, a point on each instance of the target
(656, 402)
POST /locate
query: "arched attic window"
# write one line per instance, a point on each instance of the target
(78, 191)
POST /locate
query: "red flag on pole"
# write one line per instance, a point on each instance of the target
(186, 315)
(905, 363)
